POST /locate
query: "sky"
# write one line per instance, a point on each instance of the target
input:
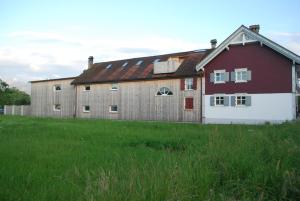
(53, 39)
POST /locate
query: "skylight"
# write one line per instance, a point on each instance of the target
(109, 66)
(125, 64)
(139, 62)
(156, 60)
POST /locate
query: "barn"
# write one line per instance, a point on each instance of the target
(246, 79)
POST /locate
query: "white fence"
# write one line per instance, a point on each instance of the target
(23, 110)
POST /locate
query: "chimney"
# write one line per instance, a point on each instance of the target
(213, 43)
(254, 28)
(90, 61)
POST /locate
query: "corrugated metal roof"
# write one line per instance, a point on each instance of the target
(117, 72)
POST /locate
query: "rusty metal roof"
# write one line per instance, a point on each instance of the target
(118, 72)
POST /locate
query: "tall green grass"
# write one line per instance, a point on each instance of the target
(45, 159)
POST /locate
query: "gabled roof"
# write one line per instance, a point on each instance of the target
(244, 35)
(117, 71)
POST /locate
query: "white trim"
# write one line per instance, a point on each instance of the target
(252, 35)
(240, 70)
(114, 89)
(56, 110)
(84, 110)
(215, 100)
(219, 71)
(54, 87)
(185, 84)
(113, 111)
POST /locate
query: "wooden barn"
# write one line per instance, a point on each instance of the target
(246, 79)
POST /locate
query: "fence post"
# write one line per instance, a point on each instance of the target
(5, 109)
(13, 110)
(22, 110)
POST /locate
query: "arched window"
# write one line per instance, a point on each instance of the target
(164, 91)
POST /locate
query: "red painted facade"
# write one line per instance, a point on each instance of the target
(271, 72)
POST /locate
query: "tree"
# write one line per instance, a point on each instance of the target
(12, 96)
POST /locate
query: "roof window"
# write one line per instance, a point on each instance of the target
(139, 62)
(109, 66)
(125, 64)
(156, 60)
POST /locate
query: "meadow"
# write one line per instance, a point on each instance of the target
(44, 159)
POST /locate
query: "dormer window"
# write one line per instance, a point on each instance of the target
(108, 66)
(139, 62)
(57, 87)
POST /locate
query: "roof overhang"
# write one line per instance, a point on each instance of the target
(242, 36)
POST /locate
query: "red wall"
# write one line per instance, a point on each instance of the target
(271, 72)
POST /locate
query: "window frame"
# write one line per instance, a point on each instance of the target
(242, 96)
(114, 87)
(56, 110)
(113, 111)
(215, 100)
(189, 84)
(215, 76)
(57, 85)
(240, 70)
(185, 105)
(164, 94)
(86, 87)
(84, 110)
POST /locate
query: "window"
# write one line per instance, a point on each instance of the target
(113, 108)
(108, 66)
(189, 103)
(164, 91)
(125, 64)
(188, 84)
(219, 76)
(219, 100)
(241, 75)
(114, 86)
(57, 107)
(139, 62)
(86, 108)
(57, 87)
(240, 101)
(87, 88)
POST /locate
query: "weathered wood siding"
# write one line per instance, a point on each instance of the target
(43, 98)
(138, 101)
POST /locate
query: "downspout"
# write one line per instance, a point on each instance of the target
(201, 101)
(294, 90)
(75, 105)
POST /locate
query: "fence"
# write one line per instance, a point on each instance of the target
(22, 110)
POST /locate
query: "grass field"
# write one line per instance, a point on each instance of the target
(53, 159)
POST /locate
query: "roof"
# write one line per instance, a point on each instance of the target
(57, 79)
(250, 36)
(118, 71)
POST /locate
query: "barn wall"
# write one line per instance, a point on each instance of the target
(138, 101)
(43, 98)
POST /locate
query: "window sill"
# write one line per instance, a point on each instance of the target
(86, 111)
(241, 81)
(114, 89)
(189, 89)
(112, 112)
(219, 82)
(56, 110)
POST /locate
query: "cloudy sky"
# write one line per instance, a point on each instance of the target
(53, 39)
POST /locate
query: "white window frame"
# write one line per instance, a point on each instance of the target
(188, 84)
(114, 87)
(55, 109)
(240, 70)
(215, 76)
(86, 111)
(164, 90)
(113, 111)
(236, 100)
(56, 85)
(86, 87)
(219, 96)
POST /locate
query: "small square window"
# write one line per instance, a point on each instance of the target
(188, 83)
(114, 86)
(57, 107)
(57, 87)
(87, 88)
(241, 75)
(113, 108)
(240, 101)
(219, 76)
(189, 103)
(86, 108)
(219, 100)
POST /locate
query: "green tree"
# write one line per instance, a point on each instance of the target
(12, 96)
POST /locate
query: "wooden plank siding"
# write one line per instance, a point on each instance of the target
(43, 98)
(138, 101)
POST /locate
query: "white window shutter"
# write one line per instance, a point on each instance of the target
(248, 100)
(226, 76)
(249, 75)
(212, 77)
(232, 76)
(212, 101)
(232, 100)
